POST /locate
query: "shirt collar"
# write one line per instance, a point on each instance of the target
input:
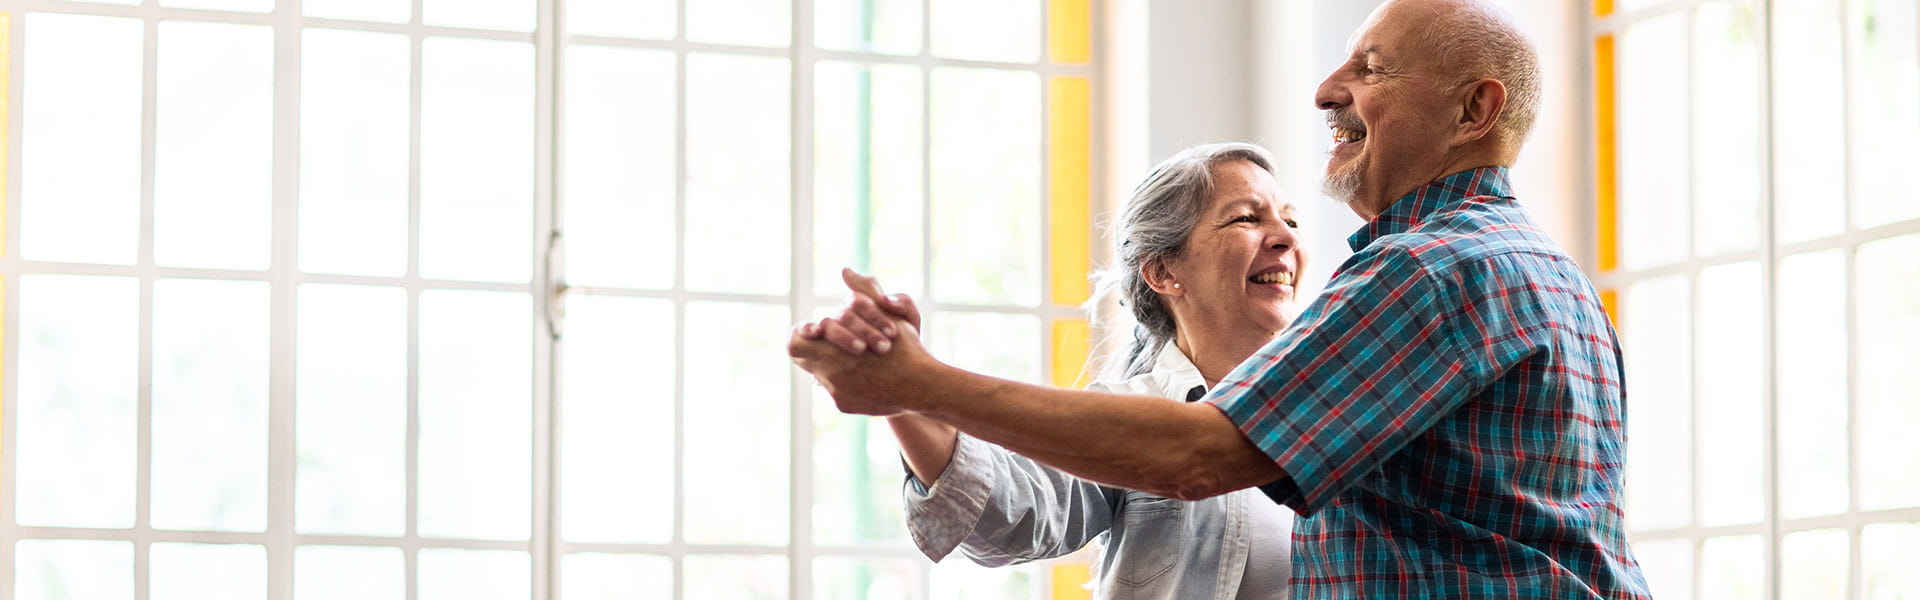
(1414, 208)
(1176, 372)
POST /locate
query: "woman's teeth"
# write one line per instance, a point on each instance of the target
(1280, 277)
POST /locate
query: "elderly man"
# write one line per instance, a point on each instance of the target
(1447, 417)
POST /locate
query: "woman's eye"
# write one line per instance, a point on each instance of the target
(1245, 219)
(1292, 224)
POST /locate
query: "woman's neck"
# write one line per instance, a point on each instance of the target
(1216, 355)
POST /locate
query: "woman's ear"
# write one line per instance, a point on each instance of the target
(1158, 277)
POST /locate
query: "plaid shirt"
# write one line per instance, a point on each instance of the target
(1449, 412)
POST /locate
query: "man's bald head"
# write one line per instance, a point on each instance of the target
(1470, 40)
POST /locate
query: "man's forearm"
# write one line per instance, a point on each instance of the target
(1186, 451)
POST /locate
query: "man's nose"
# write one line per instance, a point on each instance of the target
(1332, 94)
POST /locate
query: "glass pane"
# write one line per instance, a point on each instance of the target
(867, 176)
(1814, 564)
(856, 579)
(736, 577)
(73, 570)
(1652, 138)
(210, 348)
(856, 478)
(996, 30)
(385, 11)
(963, 580)
(1727, 170)
(737, 185)
(348, 573)
(1812, 330)
(615, 576)
(1733, 568)
(197, 571)
(1809, 201)
(1888, 552)
(506, 15)
(743, 22)
(351, 410)
(618, 167)
(239, 5)
(1001, 345)
(616, 421)
(354, 98)
(1731, 439)
(1883, 68)
(474, 575)
(476, 159)
(1888, 302)
(986, 186)
(736, 423)
(78, 371)
(1668, 566)
(476, 406)
(1659, 416)
(80, 189)
(647, 19)
(882, 26)
(213, 146)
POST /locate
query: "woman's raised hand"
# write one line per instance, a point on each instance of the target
(870, 319)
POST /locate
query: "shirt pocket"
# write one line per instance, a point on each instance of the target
(1152, 534)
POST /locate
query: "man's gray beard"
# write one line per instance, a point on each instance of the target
(1340, 187)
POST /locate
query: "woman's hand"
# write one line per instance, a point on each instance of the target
(867, 321)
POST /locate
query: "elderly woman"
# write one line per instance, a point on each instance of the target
(1208, 258)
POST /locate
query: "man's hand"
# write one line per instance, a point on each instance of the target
(868, 319)
(885, 382)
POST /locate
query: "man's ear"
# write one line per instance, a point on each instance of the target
(1481, 104)
(1157, 276)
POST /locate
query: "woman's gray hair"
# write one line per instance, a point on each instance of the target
(1153, 229)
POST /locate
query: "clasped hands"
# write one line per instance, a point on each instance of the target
(869, 358)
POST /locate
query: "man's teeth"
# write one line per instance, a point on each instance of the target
(1344, 135)
(1282, 278)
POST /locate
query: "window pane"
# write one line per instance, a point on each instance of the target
(239, 5)
(736, 577)
(616, 421)
(1888, 552)
(615, 576)
(1000, 345)
(986, 186)
(354, 97)
(618, 167)
(647, 19)
(213, 146)
(1727, 172)
(1888, 302)
(743, 22)
(1733, 568)
(351, 410)
(1668, 566)
(476, 159)
(348, 573)
(78, 370)
(868, 176)
(1659, 418)
(476, 387)
(856, 478)
(1812, 330)
(196, 571)
(1731, 429)
(80, 189)
(996, 30)
(1814, 564)
(1883, 67)
(1809, 201)
(210, 348)
(963, 580)
(886, 27)
(857, 579)
(1652, 137)
(737, 405)
(474, 575)
(738, 193)
(73, 570)
(506, 15)
(385, 11)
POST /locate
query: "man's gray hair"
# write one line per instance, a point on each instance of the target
(1479, 40)
(1152, 230)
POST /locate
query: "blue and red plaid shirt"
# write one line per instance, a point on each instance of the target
(1449, 412)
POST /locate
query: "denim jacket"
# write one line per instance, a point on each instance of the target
(1001, 508)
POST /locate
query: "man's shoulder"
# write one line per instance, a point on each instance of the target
(1473, 233)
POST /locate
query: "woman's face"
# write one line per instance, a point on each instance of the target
(1242, 258)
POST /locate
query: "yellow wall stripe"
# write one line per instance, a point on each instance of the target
(1602, 8)
(1070, 174)
(1070, 31)
(1610, 300)
(1068, 577)
(1071, 347)
(1606, 155)
(6, 109)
